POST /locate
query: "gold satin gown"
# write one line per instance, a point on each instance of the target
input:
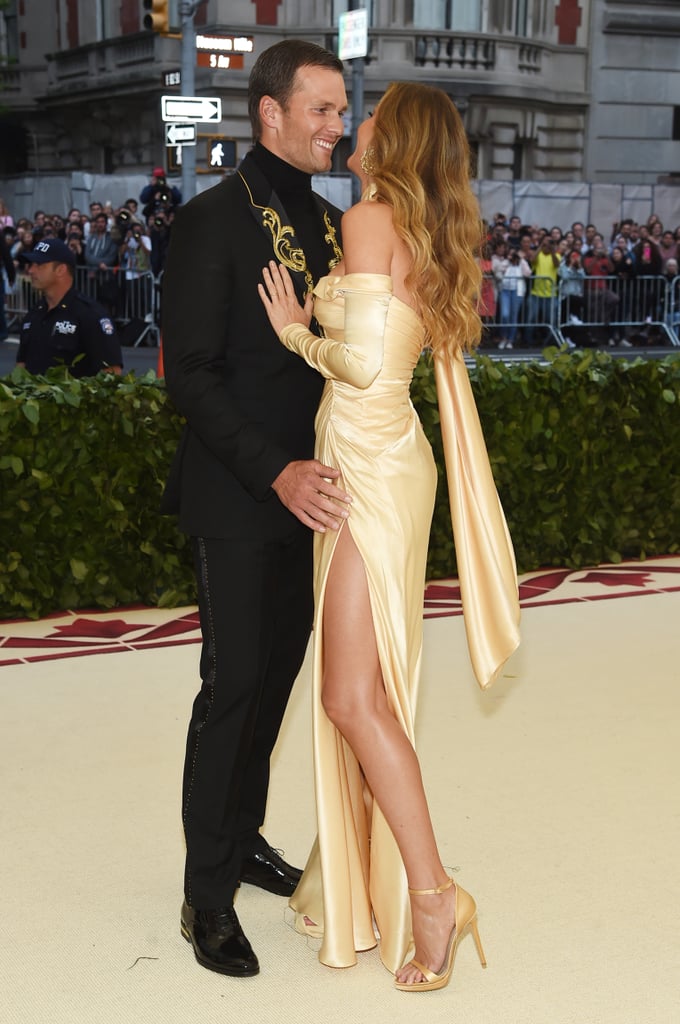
(354, 883)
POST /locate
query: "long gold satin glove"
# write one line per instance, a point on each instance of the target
(358, 358)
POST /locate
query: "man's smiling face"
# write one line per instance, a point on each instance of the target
(305, 132)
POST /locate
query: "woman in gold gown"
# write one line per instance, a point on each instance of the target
(408, 281)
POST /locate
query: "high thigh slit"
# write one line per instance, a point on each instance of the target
(354, 884)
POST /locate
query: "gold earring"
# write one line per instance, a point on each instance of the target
(366, 161)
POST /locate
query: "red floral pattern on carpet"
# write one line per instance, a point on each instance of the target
(559, 586)
(73, 634)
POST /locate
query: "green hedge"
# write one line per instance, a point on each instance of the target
(585, 450)
(82, 466)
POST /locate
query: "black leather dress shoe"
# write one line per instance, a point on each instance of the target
(218, 941)
(268, 870)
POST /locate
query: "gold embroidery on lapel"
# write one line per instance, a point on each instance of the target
(293, 258)
(331, 239)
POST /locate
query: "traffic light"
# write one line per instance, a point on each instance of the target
(158, 17)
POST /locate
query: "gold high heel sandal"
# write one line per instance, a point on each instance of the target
(466, 920)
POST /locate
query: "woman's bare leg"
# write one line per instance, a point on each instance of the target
(354, 699)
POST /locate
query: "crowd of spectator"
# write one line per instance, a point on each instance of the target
(115, 248)
(619, 290)
(614, 290)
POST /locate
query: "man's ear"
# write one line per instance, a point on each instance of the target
(270, 112)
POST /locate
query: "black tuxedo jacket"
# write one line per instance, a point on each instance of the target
(249, 403)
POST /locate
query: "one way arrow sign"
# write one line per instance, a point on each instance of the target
(207, 109)
(180, 134)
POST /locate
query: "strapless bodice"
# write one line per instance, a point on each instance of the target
(383, 410)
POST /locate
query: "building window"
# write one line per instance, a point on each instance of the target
(108, 161)
(9, 36)
(14, 150)
(500, 16)
(107, 27)
(474, 157)
(458, 15)
(676, 124)
(517, 17)
(541, 24)
(517, 161)
(521, 13)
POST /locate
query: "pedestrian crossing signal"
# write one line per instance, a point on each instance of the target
(221, 153)
(174, 158)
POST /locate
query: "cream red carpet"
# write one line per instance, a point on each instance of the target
(554, 795)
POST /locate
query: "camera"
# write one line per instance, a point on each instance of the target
(123, 218)
(163, 196)
(159, 222)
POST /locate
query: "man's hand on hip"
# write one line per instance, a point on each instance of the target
(307, 490)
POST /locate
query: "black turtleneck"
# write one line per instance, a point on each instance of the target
(294, 189)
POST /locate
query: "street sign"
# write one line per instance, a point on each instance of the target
(207, 109)
(353, 34)
(180, 134)
(222, 52)
(219, 61)
(171, 79)
(225, 44)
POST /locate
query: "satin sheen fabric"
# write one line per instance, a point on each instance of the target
(354, 882)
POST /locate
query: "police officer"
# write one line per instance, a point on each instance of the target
(65, 328)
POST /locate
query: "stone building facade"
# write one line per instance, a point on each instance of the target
(550, 90)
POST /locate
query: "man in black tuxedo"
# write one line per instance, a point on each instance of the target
(244, 481)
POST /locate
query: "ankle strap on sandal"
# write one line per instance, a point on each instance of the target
(432, 892)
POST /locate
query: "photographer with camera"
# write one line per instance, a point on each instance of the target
(135, 264)
(159, 196)
(130, 205)
(76, 242)
(135, 252)
(160, 228)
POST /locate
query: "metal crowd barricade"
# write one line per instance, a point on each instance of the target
(133, 303)
(129, 298)
(641, 310)
(673, 309)
(18, 300)
(536, 315)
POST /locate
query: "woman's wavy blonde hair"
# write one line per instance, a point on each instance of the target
(420, 163)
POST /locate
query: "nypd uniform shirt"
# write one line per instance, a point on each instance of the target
(54, 337)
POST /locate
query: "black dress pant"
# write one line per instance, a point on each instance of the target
(256, 606)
